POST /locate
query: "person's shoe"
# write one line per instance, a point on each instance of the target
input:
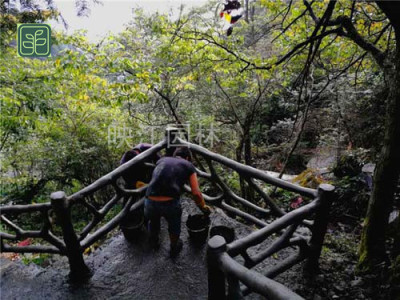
(176, 248)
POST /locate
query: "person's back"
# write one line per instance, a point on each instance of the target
(163, 195)
(169, 177)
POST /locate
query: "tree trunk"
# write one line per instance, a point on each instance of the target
(372, 248)
(239, 156)
(246, 9)
(244, 143)
(247, 149)
(33, 190)
(247, 191)
(239, 150)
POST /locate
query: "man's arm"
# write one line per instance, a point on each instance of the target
(198, 197)
(194, 185)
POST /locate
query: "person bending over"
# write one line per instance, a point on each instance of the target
(140, 175)
(163, 196)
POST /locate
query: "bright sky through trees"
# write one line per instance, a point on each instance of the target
(110, 16)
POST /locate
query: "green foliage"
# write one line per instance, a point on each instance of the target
(233, 181)
(57, 113)
(40, 259)
(283, 198)
(350, 163)
(55, 121)
(347, 166)
(4, 229)
(353, 195)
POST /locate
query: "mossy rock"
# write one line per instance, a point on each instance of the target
(309, 178)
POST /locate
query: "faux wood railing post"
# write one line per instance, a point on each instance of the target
(216, 277)
(234, 292)
(79, 270)
(325, 197)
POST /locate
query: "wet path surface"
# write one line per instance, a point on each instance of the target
(122, 270)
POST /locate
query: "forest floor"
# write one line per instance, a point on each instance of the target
(123, 270)
(337, 277)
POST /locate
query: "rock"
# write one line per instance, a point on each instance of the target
(393, 217)
(339, 287)
(324, 158)
(349, 270)
(339, 261)
(368, 168)
(320, 278)
(317, 297)
(356, 282)
(303, 231)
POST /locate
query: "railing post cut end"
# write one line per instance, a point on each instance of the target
(78, 269)
(216, 277)
(326, 195)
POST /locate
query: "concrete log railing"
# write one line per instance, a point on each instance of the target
(221, 263)
(73, 244)
(222, 266)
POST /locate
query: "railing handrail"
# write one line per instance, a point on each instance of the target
(260, 235)
(116, 173)
(250, 171)
(18, 208)
(222, 266)
(88, 241)
(220, 255)
(255, 281)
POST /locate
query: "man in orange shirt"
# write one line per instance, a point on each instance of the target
(164, 192)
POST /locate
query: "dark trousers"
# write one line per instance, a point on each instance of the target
(171, 210)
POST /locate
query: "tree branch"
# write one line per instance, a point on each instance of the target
(354, 35)
(169, 102)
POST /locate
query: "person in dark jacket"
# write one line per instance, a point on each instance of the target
(164, 192)
(140, 174)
